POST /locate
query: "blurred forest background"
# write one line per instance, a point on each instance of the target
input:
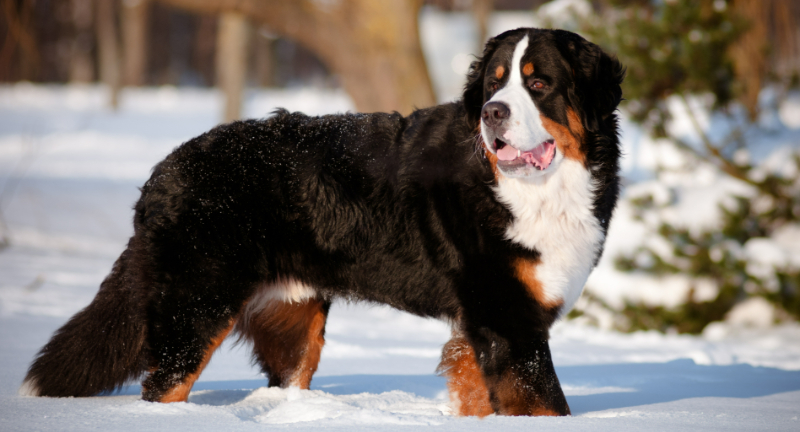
(371, 48)
(711, 96)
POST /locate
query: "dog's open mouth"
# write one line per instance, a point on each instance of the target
(540, 157)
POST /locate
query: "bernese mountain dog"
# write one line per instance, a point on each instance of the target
(489, 213)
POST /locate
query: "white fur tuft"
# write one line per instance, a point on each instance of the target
(28, 388)
(288, 290)
(553, 215)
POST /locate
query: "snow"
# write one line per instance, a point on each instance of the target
(690, 194)
(69, 172)
(789, 112)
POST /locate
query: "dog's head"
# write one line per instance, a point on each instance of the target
(536, 94)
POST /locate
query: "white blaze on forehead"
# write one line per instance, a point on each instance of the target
(525, 129)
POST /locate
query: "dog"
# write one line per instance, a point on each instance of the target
(488, 212)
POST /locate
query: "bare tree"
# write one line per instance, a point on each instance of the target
(81, 68)
(772, 30)
(481, 10)
(372, 45)
(134, 41)
(263, 52)
(231, 68)
(20, 33)
(108, 48)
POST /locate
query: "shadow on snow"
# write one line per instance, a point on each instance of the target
(629, 384)
(652, 383)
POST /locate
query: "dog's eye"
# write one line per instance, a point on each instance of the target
(536, 84)
(495, 86)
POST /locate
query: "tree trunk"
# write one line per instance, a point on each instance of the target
(81, 65)
(773, 28)
(205, 48)
(372, 45)
(108, 48)
(134, 39)
(482, 10)
(750, 52)
(232, 62)
(20, 33)
(263, 59)
(786, 39)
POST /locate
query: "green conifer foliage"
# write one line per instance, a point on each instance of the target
(674, 51)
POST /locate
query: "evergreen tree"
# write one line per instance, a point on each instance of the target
(677, 53)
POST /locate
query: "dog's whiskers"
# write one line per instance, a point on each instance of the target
(478, 145)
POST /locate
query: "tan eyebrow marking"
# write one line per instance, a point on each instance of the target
(499, 72)
(527, 69)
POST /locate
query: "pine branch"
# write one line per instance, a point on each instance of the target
(715, 157)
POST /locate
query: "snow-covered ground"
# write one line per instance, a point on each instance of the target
(69, 171)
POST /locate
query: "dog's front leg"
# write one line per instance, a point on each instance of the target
(518, 373)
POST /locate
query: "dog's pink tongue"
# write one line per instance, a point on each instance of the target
(507, 153)
(542, 155)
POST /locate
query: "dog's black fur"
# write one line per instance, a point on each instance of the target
(377, 207)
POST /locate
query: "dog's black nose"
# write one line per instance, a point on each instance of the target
(494, 113)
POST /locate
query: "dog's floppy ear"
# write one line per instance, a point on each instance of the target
(473, 89)
(598, 76)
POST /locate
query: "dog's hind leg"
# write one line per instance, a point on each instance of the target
(178, 389)
(287, 339)
(188, 322)
(468, 393)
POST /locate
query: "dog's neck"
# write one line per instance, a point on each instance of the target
(553, 215)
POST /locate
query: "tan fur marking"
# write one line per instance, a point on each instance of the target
(575, 124)
(310, 359)
(527, 70)
(568, 140)
(464, 378)
(180, 393)
(512, 401)
(526, 273)
(492, 158)
(499, 72)
(287, 340)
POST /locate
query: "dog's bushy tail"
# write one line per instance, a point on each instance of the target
(98, 349)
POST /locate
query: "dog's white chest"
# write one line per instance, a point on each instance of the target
(553, 215)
